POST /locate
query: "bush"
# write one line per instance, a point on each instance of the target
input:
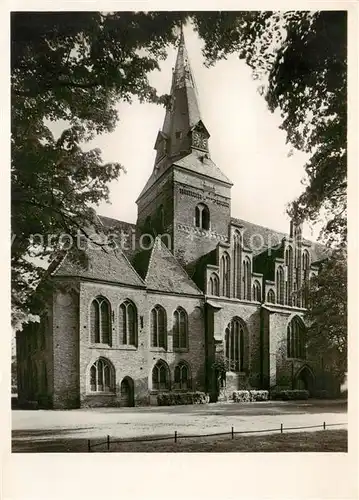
(290, 395)
(248, 396)
(182, 398)
(241, 396)
(259, 395)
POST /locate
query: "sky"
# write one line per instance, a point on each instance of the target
(246, 142)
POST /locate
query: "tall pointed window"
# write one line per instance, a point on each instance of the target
(247, 274)
(202, 218)
(225, 271)
(237, 264)
(213, 285)
(102, 376)
(289, 283)
(182, 378)
(160, 377)
(257, 294)
(180, 329)
(158, 327)
(128, 323)
(100, 321)
(296, 339)
(305, 283)
(280, 285)
(234, 340)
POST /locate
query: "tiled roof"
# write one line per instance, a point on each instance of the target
(194, 162)
(165, 274)
(112, 266)
(259, 239)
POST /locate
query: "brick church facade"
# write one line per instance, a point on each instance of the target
(198, 286)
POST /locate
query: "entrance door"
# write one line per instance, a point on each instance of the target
(305, 380)
(127, 392)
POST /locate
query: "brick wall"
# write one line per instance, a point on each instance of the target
(137, 363)
(65, 368)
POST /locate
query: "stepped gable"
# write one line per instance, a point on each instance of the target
(165, 274)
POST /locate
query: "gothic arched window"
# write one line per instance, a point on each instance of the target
(270, 297)
(225, 271)
(247, 273)
(234, 339)
(213, 285)
(180, 329)
(128, 323)
(237, 264)
(182, 378)
(280, 285)
(102, 376)
(257, 295)
(160, 377)
(202, 217)
(158, 327)
(296, 339)
(100, 321)
(289, 283)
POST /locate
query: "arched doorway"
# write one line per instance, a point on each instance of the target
(127, 393)
(304, 379)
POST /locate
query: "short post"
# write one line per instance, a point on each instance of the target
(232, 432)
(88, 445)
(108, 442)
(324, 426)
(281, 428)
(175, 436)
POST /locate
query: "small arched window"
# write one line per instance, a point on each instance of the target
(225, 273)
(182, 378)
(213, 288)
(180, 329)
(160, 377)
(100, 321)
(280, 285)
(296, 339)
(270, 296)
(289, 284)
(234, 340)
(202, 217)
(102, 376)
(257, 295)
(128, 323)
(158, 327)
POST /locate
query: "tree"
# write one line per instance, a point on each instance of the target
(300, 58)
(327, 314)
(75, 67)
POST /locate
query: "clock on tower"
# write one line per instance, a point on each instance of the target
(199, 140)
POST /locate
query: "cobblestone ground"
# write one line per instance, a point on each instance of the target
(48, 430)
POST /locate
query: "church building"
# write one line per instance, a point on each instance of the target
(198, 289)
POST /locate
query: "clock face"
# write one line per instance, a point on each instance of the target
(199, 140)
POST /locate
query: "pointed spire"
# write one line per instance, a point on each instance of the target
(183, 113)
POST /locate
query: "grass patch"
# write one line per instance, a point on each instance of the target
(319, 441)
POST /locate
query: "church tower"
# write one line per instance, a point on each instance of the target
(187, 196)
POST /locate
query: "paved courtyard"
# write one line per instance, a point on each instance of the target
(69, 430)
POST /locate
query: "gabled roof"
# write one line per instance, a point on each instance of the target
(112, 266)
(165, 274)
